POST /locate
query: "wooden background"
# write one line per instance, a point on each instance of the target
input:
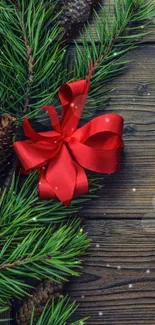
(118, 283)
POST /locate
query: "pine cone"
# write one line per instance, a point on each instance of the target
(76, 11)
(8, 129)
(44, 292)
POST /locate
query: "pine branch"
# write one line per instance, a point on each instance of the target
(58, 314)
(30, 60)
(116, 34)
(44, 292)
(19, 205)
(38, 252)
(31, 55)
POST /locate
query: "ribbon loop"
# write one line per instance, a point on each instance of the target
(72, 96)
(54, 117)
(62, 154)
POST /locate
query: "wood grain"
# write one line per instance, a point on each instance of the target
(118, 284)
(130, 193)
(110, 4)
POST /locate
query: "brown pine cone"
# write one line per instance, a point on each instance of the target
(8, 129)
(76, 11)
(44, 292)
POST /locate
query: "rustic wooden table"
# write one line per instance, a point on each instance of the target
(118, 283)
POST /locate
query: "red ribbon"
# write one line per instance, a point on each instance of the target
(63, 153)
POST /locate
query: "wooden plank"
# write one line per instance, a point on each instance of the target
(105, 3)
(130, 193)
(118, 284)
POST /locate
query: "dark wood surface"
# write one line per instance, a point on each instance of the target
(118, 283)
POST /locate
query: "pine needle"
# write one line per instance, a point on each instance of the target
(31, 55)
(38, 252)
(20, 203)
(58, 314)
(116, 34)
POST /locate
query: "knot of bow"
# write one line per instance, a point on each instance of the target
(62, 153)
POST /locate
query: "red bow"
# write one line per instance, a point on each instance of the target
(63, 153)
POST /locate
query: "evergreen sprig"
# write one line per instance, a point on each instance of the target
(33, 52)
(20, 203)
(58, 313)
(38, 252)
(116, 33)
(34, 242)
(31, 55)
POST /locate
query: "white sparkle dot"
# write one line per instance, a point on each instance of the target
(39, 183)
(115, 53)
(82, 296)
(148, 94)
(55, 141)
(142, 26)
(100, 313)
(72, 129)
(119, 267)
(44, 167)
(76, 107)
(107, 119)
(133, 99)
(148, 271)
(108, 265)
(97, 245)
(130, 286)
(134, 189)
(72, 104)
(34, 219)
(56, 188)
(9, 163)
(81, 230)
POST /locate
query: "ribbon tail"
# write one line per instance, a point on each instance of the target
(53, 117)
(60, 177)
(29, 131)
(44, 189)
(81, 186)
